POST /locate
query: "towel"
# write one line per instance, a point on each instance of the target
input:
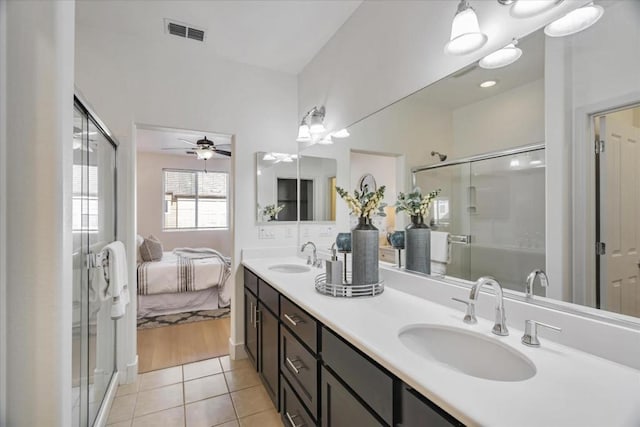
(118, 277)
(440, 247)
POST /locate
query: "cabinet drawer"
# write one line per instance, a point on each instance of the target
(250, 281)
(371, 383)
(269, 296)
(340, 408)
(417, 411)
(300, 368)
(292, 410)
(300, 323)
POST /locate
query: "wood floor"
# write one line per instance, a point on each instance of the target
(176, 345)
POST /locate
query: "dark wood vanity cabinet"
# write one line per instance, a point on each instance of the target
(261, 328)
(317, 378)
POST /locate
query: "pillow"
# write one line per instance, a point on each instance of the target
(139, 240)
(151, 249)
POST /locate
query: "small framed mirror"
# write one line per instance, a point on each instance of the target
(276, 187)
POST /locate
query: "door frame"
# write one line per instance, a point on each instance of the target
(583, 186)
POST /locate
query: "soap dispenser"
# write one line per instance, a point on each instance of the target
(334, 268)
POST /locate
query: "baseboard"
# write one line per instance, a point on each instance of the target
(132, 372)
(236, 350)
(105, 408)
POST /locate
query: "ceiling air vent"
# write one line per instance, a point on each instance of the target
(183, 30)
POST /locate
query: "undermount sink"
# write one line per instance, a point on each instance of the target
(290, 268)
(467, 352)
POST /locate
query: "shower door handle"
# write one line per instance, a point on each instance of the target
(461, 239)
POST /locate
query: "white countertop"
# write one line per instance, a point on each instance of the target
(570, 387)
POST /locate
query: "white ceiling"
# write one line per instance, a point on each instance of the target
(282, 35)
(156, 140)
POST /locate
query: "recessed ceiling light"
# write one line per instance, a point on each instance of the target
(575, 21)
(502, 57)
(488, 83)
(529, 8)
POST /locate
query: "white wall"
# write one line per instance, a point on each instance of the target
(176, 83)
(39, 116)
(150, 202)
(507, 120)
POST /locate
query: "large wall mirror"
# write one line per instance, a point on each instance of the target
(276, 187)
(317, 188)
(523, 187)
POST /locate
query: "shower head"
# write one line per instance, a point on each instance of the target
(442, 157)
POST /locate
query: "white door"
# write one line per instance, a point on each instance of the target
(620, 214)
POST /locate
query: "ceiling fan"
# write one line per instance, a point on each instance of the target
(203, 148)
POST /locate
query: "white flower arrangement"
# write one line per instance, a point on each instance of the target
(414, 203)
(364, 205)
(272, 210)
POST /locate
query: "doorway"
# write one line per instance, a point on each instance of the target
(184, 210)
(617, 166)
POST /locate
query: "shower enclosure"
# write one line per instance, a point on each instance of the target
(93, 226)
(493, 207)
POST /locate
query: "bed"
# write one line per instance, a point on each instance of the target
(185, 279)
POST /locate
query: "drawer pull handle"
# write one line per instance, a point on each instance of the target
(293, 319)
(292, 364)
(291, 417)
(256, 312)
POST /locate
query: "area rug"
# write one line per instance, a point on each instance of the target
(181, 318)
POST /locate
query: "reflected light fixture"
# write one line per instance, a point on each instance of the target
(268, 157)
(488, 83)
(514, 163)
(466, 36)
(326, 140)
(342, 133)
(575, 21)
(311, 124)
(529, 8)
(502, 57)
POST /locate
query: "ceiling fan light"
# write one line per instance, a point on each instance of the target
(204, 154)
(502, 57)
(575, 21)
(466, 36)
(529, 8)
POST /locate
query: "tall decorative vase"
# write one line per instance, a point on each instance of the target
(418, 246)
(364, 256)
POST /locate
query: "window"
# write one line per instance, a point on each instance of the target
(195, 200)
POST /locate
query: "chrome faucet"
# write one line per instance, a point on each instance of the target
(544, 282)
(500, 326)
(316, 262)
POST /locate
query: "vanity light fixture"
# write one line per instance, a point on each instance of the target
(488, 83)
(311, 125)
(529, 8)
(575, 21)
(502, 57)
(268, 157)
(466, 36)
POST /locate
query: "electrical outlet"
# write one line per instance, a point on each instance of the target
(266, 234)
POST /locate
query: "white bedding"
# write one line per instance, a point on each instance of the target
(178, 274)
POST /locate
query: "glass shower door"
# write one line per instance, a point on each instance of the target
(93, 212)
(450, 211)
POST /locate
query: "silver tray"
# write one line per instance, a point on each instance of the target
(347, 290)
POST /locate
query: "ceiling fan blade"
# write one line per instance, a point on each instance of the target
(223, 152)
(191, 152)
(224, 146)
(174, 148)
(187, 141)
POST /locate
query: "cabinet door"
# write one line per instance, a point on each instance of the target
(340, 408)
(417, 411)
(251, 327)
(269, 351)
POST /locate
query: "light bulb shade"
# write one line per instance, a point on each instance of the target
(304, 134)
(529, 8)
(575, 21)
(326, 140)
(316, 124)
(204, 154)
(465, 33)
(502, 57)
(268, 157)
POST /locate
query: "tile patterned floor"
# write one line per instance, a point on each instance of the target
(213, 392)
